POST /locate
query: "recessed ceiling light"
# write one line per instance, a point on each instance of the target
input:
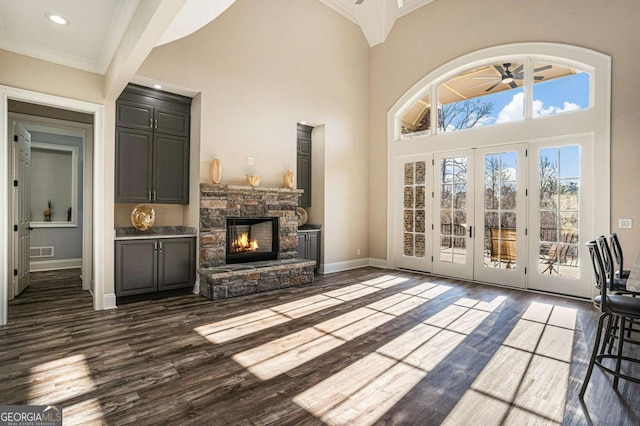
(55, 18)
(303, 122)
(157, 86)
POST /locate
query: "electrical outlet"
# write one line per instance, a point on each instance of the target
(251, 161)
(625, 223)
(358, 252)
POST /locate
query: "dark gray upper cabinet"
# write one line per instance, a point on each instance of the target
(170, 162)
(134, 165)
(152, 146)
(303, 164)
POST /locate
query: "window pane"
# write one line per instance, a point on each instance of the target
(416, 121)
(558, 88)
(559, 174)
(483, 96)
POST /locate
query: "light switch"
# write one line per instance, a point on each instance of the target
(624, 223)
(250, 161)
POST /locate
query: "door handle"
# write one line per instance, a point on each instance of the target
(150, 195)
(470, 231)
(155, 246)
(160, 245)
(31, 228)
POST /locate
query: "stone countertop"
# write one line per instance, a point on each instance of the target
(131, 233)
(309, 227)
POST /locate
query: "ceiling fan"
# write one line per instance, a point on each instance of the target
(507, 76)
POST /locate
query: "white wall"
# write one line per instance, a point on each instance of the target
(262, 67)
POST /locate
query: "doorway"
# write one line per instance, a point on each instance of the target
(52, 192)
(99, 246)
(507, 214)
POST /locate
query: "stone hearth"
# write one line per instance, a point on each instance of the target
(218, 280)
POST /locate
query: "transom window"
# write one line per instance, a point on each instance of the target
(494, 93)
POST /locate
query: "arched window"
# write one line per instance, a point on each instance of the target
(494, 93)
(511, 140)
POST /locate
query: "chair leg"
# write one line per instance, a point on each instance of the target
(612, 333)
(616, 379)
(607, 336)
(593, 354)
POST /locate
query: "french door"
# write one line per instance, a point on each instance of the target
(453, 217)
(414, 215)
(501, 215)
(511, 214)
(561, 213)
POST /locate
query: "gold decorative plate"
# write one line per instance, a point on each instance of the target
(143, 217)
(302, 216)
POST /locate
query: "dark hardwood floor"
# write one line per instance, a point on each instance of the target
(367, 346)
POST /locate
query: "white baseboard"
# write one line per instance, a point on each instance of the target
(109, 301)
(378, 263)
(52, 265)
(329, 268)
(196, 287)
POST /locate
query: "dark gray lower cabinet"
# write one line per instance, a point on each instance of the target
(309, 245)
(151, 265)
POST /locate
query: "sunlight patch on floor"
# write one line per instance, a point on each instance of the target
(526, 380)
(57, 381)
(363, 392)
(243, 325)
(286, 353)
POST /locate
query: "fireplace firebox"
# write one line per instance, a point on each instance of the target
(252, 239)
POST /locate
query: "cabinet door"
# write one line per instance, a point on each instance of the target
(314, 247)
(133, 165)
(136, 267)
(177, 263)
(171, 169)
(171, 122)
(304, 179)
(302, 245)
(134, 115)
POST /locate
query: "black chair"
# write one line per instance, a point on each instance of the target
(616, 284)
(617, 253)
(622, 307)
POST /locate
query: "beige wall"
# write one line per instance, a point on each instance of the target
(262, 67)
(444, 30)
(28, 73)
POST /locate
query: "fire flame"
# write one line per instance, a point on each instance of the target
(242, 244)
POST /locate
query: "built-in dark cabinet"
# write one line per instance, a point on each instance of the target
(309, 245)
(152, 147)
(303, 164)
(153, 265)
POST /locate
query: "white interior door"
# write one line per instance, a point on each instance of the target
(561, 215)
(500, 213)
(22, 209)
(413, 213)
(453, 214)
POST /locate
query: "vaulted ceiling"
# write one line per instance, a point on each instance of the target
(113, 37)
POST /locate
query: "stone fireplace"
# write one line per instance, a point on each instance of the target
(231, 262)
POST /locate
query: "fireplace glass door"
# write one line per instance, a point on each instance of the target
(252, 239)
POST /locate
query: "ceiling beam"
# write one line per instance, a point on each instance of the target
(147, 26)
